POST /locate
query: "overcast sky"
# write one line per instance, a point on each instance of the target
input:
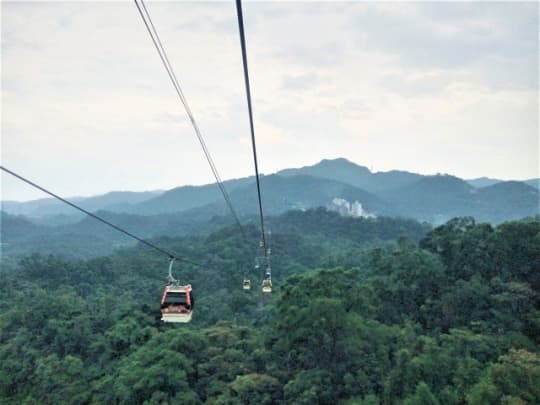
(424, 87)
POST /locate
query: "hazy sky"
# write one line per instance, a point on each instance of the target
(425, 87)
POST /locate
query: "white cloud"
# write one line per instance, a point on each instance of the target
(430, 87)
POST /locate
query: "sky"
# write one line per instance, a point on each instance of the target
(427, 87)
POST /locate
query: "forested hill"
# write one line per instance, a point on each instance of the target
(452, 319)
(435, 199)
(90, 238)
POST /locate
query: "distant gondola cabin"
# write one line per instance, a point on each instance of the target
(177, 304)
(267, 286)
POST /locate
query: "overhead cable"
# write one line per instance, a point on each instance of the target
(171, 255)
(250, 110)
(145, 15)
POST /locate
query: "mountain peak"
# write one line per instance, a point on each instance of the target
(340, 163)
(329, 168)
(345, 171)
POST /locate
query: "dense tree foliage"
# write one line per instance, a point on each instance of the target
(89, 238)
(451, 318)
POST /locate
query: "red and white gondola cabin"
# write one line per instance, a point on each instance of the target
(177, 304)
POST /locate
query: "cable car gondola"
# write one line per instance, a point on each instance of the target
(177, 304)
(177, 301)
(267, 285)
(246, 285)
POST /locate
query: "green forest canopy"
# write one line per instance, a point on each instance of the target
(448, 318)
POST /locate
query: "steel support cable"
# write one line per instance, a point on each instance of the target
(150, 27)
(250, 110)
(171, 255)
(172, 75)
(170, 71)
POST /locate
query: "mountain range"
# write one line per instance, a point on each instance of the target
(434, 198)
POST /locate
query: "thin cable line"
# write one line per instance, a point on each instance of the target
(248, 94)
(171, 255)
(150, 27)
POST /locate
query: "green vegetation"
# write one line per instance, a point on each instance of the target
(364, 312)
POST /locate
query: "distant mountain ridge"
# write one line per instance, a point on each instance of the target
(297, 192)
(533, 183)
(359, 176)
(486, 181)
(115, 201)
(187, 197)
(434, 198)
(394, 193)
(494, 200)
(483, 182)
